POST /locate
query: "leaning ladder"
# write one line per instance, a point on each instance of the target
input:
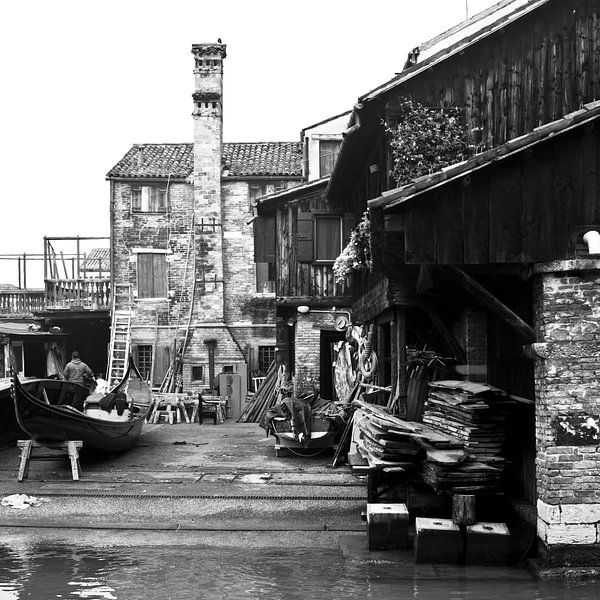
(120, 334)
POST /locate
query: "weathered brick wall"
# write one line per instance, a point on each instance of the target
(471, 333)
(238, 250)
(308, 349)
(567, 320)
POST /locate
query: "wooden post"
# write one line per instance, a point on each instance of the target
(463, 509)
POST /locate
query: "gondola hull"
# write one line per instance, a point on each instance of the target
(42, 410)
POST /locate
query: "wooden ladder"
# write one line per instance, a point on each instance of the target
(120, 334)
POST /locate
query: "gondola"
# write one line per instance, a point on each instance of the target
(43, 411)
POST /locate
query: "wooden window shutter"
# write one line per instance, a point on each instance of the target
(264, 240)
(306, 250)
(144, 276)
(160, 275)
(162, 364)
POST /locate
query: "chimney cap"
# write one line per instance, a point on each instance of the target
(211, 49)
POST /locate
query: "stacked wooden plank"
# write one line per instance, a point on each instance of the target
(392, 443)
(475, 414)
(264, 398)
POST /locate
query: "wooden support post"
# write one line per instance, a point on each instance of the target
(445, 333)
(489, 301)
(463, 509)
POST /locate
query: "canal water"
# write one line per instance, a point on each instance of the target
(43, 572)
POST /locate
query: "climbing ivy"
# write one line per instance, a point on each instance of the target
(425, 140)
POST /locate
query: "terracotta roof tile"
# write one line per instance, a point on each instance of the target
(246, 159)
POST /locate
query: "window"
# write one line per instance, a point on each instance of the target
(152, 275)
(143, 356)
(264, 253)
(328, 237)
(149, 198)
(328, 153)
(266, 356)
(197, 373)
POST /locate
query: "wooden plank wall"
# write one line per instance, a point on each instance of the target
(519, 210)
(534, 71)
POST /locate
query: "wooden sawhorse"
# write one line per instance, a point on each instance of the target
(71, 447)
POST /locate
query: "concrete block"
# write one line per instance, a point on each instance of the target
(487, 544)
(387, 526)
(437, 541)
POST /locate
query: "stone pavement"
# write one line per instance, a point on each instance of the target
(205, 485)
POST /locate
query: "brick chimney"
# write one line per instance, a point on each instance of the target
(208, 143)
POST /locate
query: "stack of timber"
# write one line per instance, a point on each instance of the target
(393, 444)
(476, 415)
(265, 397)
(473, 412)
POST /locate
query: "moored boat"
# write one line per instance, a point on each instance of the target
(43, 410)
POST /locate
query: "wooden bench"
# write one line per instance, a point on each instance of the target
(71, 447)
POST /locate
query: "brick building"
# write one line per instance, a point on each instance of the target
(182, 241)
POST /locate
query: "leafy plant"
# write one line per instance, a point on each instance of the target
(357, 253)
(425, 140)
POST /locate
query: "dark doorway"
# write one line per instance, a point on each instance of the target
(328, 339)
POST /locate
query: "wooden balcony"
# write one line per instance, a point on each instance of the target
(318, 280)
(20, 303)
(77, 294)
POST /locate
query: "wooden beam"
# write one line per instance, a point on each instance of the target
(490, 302)
(446, 334)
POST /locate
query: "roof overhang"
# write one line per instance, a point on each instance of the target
(298, 192)
(400, 199)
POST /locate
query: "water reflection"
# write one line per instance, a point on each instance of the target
(48, 571)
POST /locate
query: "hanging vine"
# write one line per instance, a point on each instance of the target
(425, 140)
(357, 253)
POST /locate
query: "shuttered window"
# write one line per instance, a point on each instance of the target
(152, 275)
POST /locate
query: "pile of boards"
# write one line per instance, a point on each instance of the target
(393, 444)
(259, 403)
(458, 447)
(476, 415)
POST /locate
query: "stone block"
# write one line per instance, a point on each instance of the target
(580, 513)
(487, 544)
(437, 541)
(570, 534)
(387, 526)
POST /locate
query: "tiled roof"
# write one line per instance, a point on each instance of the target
(246, 159)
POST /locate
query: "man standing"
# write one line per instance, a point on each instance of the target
(76, 371)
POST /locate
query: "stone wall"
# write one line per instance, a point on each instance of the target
(567, 380)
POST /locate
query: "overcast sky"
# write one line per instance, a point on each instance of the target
(83, 80)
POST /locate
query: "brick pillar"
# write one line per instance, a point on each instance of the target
(567, 383)
(471, 333)
(208, 142)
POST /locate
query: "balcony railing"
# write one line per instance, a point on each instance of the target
(319, 280)
(92, 294)
(21, 302)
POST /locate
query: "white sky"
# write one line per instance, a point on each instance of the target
(83, 80)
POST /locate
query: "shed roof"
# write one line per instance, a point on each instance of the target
(240, 159)
(399, 198)
(457, 39)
